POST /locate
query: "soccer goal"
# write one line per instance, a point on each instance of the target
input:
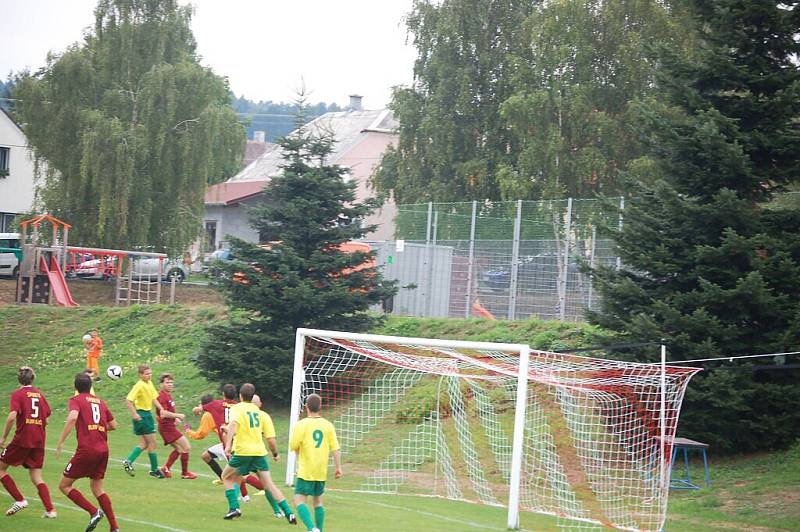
(585, 440)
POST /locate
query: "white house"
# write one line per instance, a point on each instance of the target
(361, 138)
(17, 188)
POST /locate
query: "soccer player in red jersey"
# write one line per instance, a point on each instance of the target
(30, 410)
(218, 408)
(92, 420)
(169, 431)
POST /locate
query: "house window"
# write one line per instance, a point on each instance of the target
(6, 222)
(211, 236)
(5, 155)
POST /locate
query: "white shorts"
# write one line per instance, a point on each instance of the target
(218, 452)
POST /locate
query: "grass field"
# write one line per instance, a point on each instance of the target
(759, 492)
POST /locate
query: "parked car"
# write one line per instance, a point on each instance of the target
(10, 253)
(97, 268)
(170, 269)
(213, 260)
(530, 268)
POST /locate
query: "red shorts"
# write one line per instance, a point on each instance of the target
(87, 464)
(27, 457)
(170, 434)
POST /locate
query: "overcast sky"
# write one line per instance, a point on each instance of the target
(264, 47)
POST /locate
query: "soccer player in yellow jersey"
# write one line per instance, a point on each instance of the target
(140, 401)
(313, 439)
(244, 446)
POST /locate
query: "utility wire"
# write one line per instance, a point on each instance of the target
(729, 359)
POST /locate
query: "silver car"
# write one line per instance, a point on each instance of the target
(170, 269)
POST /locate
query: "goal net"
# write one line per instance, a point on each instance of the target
(585, 440)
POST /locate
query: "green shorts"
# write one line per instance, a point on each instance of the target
(144, 425)
(315, 488)
(248, 464)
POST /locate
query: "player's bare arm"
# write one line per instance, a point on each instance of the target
(337, 462)
(10, 420)
(72, 417)
(111, 425)
(132, 409)
(272, 443)
(229, 437)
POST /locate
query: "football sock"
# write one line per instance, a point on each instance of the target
(285, 507)
(319, 516)
(233, 500)
(44, 495)
(153, 461)
(243, 489)
(215, 468)
(305, 516)
(255, 482)
(134, 454)
(76, 497)
(272, 502)
(11, 488)
(185, 462)
(238, 490)
(171, 459)
(105, 504)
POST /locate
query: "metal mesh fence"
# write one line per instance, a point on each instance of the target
(513, 259)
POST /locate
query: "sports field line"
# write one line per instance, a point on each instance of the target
(119, 518)
(338, 495)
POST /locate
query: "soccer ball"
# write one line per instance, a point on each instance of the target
(114, 372)
(87, 337)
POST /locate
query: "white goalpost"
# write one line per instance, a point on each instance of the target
(584, 440)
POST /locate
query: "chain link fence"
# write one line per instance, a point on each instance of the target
(513, 259)
(516, 259)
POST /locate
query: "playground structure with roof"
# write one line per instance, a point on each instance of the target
(44, 267)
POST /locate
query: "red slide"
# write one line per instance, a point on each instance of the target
(57, 282)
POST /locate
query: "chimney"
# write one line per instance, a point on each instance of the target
(355, 102)
(260, 136)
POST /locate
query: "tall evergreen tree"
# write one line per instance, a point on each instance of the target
(708, 264)
(303, 279)
(132, 128)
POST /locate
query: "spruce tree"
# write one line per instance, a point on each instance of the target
(709, 263)
(302, 278)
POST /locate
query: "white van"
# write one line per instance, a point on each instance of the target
(10, 253)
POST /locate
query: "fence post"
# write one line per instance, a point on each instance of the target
(471, 261)
(562, 299)
(621, 208)
(512, 287)
(171, 291)
(591, 265)
(426, 260)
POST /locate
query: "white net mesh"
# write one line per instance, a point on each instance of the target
(440, 421)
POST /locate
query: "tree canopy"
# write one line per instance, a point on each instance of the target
(708, 265)
(132, 128)
(522, 99)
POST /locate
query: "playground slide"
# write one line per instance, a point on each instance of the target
(57, 282)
